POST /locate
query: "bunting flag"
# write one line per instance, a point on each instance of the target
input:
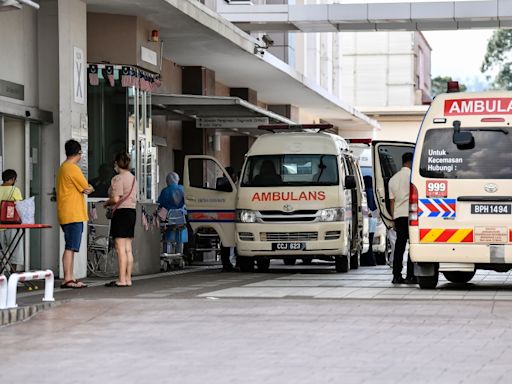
(156, 82)
(125, 76)
(142, 81)
(93, 74)
(134, 79)
(108, 74)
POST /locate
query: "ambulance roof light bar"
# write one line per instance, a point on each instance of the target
(294, 127)
(452, 86)
(359, 141)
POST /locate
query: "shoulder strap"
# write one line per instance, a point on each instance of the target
(125, 197)
(12, 193)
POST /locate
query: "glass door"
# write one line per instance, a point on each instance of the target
(14, 154)
(36, 191)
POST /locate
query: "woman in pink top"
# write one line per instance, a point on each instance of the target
(123, 200)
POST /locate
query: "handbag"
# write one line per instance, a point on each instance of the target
(8, 212)
(109, 213)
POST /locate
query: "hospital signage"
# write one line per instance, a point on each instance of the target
(230, 122)
(478, 106)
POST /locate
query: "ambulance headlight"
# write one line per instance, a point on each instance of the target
(332, 214)
(246, 216)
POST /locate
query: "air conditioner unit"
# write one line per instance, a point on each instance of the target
(9, 5)
(239, 2)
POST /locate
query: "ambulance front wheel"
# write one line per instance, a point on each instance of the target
(263, 264)
(459, 277)
(289, 261)
(342, 263)
(428, 282)
(246, 264)
(307, 260)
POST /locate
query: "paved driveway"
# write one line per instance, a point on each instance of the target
(281, 327)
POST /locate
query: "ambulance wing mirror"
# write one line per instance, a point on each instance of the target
(462, 139)
(350, 182)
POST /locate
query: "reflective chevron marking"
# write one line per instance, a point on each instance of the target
(445, 208)
(440, 235)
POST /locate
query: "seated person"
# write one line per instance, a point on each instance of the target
(172, 198)
(223, 184)
(267, 175)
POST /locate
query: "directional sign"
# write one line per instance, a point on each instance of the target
(79, 75)
(231, 122)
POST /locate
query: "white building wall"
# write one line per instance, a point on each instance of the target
(326, 61)
(378, 68)
(18, 52)
(337, 72)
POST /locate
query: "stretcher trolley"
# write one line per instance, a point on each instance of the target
(173, 227)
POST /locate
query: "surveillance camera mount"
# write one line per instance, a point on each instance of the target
(261, 48)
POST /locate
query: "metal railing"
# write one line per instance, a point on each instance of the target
(12, 285)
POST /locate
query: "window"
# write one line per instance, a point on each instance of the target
(491, 157)
(108, 120)
(207, 174)
(120, 120)
(290, 170)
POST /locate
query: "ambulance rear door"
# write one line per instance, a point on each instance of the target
(210, 197)
(465, 192)
(387, 160)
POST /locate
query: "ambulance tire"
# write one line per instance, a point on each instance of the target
(428, 282)
(342, 263)
(246, 264)
(289, 261)
(307, 260)
(459, 277)
(263, 264)
(380, 258)
(354, 260)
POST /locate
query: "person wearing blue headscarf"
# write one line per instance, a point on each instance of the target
(368, 259)
(172, 198)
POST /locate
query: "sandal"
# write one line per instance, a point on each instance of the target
(115, 284)
(73, 284)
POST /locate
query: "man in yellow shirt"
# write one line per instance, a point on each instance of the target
(71, 208)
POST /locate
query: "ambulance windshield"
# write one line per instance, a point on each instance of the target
(290, 170)
(490, 158)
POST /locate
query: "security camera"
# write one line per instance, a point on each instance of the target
(267, 40)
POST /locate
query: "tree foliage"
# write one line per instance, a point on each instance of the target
(439, 85)
(498, 58)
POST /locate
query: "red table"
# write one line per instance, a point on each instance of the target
(6, 254)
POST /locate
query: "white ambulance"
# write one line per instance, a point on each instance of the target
(461, 186)
(300, 196)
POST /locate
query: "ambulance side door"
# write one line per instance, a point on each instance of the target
(210, 197)
(387, 160)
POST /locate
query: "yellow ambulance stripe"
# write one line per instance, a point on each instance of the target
(432, 235)
(458, 236)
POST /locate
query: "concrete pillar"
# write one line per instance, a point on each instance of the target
(196, 81)
(286, 110)
(62, 37)
(48, 68)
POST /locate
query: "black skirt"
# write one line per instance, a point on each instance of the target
(123, 223)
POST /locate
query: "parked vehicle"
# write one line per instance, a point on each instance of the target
(300, 195)
(461, 187)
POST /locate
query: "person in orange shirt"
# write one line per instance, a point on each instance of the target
(71, 209)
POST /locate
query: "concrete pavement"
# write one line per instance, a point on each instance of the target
(181, 329)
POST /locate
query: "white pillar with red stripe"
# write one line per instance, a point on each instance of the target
(12, 285)
(3, 292)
